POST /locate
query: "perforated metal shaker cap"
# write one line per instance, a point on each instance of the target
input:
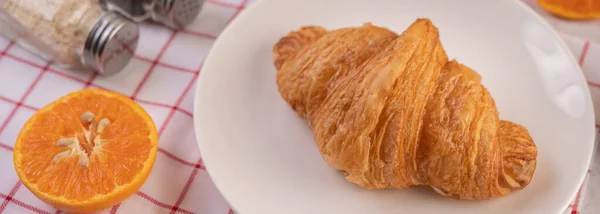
(176, 13)
(110, 44)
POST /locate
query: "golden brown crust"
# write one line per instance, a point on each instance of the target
(459, 146)
(287, 46)
(391, 112)
(519, 154)
(305, 76)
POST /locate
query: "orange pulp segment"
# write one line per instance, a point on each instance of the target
(572, 9)
(86, 151)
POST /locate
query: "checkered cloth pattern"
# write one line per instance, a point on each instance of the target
(585, 51)
(161, 78)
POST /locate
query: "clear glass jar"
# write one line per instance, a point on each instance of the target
(76, 34)
(173, 13)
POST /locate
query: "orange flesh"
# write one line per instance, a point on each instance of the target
(572, 9)
(127, 144)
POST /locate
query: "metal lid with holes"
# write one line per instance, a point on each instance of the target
(110, 44)
(176, 13)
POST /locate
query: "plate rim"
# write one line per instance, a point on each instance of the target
(522, 5)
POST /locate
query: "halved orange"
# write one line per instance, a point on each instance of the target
(572, 9)
(86, 151)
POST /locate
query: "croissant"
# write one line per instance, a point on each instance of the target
(390, 111)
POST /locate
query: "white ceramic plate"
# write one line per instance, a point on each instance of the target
(263, 159)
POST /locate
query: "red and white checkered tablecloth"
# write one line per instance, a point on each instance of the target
(586, 200)
(161, 78)
(162, 81)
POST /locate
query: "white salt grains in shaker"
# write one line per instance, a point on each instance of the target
(74, 34)
(173, 13)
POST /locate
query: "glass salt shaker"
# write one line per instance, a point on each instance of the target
(175, 14)
(75, 34)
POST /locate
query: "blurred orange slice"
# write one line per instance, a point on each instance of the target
(86, 151)
(572, 9)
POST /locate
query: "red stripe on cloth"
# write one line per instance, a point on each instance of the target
(11, 114)
(164, 125)
(29, 107)
(190, 114)
(35, 82)
(184, 162)
(89, 82)
(200, 34)
(575, 205)
(582, 57)
(15, 102)
(584, 52)
(161, 204)
(10, 196)
(15, 188)
(20, 102)
(24, 61)
(114, 209)
(6, 48)
(71, 77)
(174, 67)
(162, 51)
(7, 147)
(153, 103)
(597, 85)
(7, 100)
(186, 188)
(33, 64)
(237, 12)
(179, 100)
(161, 105)
(222, 4)
(166, 106)
(9, 118)
(24, 205)
(145, 78)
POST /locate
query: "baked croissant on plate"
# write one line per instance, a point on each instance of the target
(391, 111)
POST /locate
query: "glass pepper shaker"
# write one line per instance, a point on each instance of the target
(175, 14)
(76, 34)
